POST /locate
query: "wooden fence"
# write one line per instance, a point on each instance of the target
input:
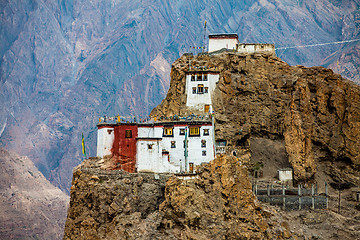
(293, 199)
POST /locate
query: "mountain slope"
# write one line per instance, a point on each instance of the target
(63, 63)
(31, 207)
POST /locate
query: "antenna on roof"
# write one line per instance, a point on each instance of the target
(204, 36)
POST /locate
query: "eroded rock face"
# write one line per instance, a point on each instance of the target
(314, 111)
(217, 204)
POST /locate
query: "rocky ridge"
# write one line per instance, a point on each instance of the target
(217, 204)
(313, 113)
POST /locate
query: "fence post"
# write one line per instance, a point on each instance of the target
(326, 194)
(284, 200)
(312, 197)
(299, 194)
(268, 192)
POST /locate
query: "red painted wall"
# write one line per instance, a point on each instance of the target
(124, 149)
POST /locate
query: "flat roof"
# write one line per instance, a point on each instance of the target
(224, 35)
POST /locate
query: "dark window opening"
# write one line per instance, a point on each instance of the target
(173, 144)
(200, 88)
(206, 132)
(109, 131)
(204, 153)
(199, 77)
(192, 77)
(205, 77)
(150, 146)
(128, 134)
(206, 90)
(182, 131)
(203, 143)
(194, 90)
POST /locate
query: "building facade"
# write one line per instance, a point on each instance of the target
(199, 88)
(160, 147)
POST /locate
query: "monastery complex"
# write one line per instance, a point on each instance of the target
(181, 143)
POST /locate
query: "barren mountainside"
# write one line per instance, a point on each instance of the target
(31, 207)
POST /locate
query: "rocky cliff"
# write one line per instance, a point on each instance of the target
(312, 114)
(216, 204)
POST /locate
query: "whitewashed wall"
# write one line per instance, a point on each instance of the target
(153, 159)
(198, 101)
(220, 43)
(255, 47)
(105, 140)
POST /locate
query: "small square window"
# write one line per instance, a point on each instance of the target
(203, 143)
(173, 144)
(199, 77)
(205, 77)
(194, 131)
(109, 131)
(150, 146)
(128, 134)
(182, 131)
(204, 153)
(192, 77)
(200, 88)
(194, 90)
(168, 132)
(206, 132)
(206, 90)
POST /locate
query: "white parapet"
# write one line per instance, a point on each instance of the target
(255, 47)
(105, 140)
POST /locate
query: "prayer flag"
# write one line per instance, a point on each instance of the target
(83, 145)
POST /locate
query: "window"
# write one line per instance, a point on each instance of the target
(192, 77)
(173, 144)
(194, 90)
(194, 131)
(200, 88)
(203, 143)
(150, 146)
(206, 132)
(182, 131)
(109, 131)
(205, 77)
(204, 153)
(128, 134)
(199, 77)
(168, 132)
(206, 90)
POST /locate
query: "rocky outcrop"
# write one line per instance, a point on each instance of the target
(31, 207)
(215, 204)
(312, 111)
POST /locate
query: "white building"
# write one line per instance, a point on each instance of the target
(161, 147)
(105, 139)
(255, 47)
(199, 88)
(220, 41)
